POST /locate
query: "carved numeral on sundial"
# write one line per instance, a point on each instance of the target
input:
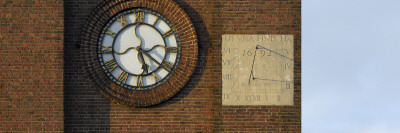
(288, 66)
(227, 76)
(287, 85)
(109, 32)
(140, 17)
(123, 21)
(226, 96)
(168, 33)
(156, 77)
(140, 81)
(106, 50)
(123, 77)
(171, 49)
(287, 51)
(167, 65)
(111, 64)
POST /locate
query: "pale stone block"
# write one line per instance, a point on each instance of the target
(257, 69)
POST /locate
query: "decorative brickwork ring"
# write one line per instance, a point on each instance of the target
(139, 53)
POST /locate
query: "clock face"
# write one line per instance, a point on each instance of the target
(138, 49)
(139, 54)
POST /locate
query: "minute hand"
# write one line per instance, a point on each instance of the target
(164, 66)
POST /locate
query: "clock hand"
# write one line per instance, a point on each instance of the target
(166, 66)
(141, 51)
(145, 67)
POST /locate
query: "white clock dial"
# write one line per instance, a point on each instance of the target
(139, 49)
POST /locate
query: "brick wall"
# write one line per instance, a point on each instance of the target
(31, 65)
(197, 107)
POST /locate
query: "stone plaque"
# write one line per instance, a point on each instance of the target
(257, 70)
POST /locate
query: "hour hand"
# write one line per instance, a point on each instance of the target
(145, 67)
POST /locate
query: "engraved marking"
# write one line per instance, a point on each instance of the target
(287, 51)
(272, 80)
(287, 85)
(227, 50)
(252, 97)
(227, 77)
(288, 66)
(226, 96)
(237, 98)
(261, 47)
(233, 85)
(226, 62)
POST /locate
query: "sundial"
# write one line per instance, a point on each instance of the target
(257, 70)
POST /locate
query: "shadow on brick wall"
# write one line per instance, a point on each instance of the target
(84, 108)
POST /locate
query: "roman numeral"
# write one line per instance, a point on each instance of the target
(156, 77)
(287, 51)
(109, 32)
(171, 49)
(167, 65)
(123, 21)
(140, 17)
(111, 65)
(106, 50)
(140, 81)
(287, 85)
(168, 33)
(123, 77)
(288, 66)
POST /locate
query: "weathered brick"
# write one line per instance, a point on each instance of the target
(31, 65)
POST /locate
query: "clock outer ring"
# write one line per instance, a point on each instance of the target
(133, 98)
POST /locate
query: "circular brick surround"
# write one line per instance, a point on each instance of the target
(132, 98)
